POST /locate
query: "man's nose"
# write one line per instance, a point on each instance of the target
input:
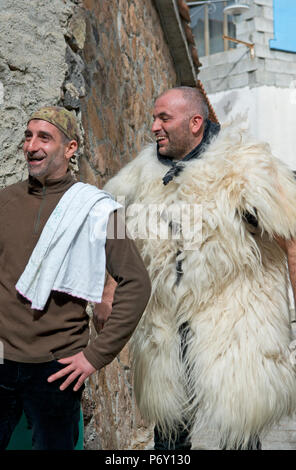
(31, 145)
(156, 125)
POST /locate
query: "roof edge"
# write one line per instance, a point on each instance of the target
(174, 17)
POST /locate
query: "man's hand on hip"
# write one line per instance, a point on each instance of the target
(77, 366)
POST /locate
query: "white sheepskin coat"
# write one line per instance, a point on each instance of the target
(238, 377)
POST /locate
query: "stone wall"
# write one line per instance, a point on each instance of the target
(106, 61)
(127, 66)
(34, 70)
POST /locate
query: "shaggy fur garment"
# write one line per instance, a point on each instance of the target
(237, 377)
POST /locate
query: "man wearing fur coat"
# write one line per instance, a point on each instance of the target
(212, 348)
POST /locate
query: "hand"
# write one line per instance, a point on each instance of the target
(103, 310)
(101, 314)
(78, 366)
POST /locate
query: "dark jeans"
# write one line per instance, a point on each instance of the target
(53, 414)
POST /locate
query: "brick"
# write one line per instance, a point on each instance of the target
(264, 77)
(274, 65)
(245, 65)
(222, 58)
(206, 74)
(284, 80)
(268, 13)
(215, 85)
(263, 24)
(262, 51)
(260, 37)
(281, 55)
(217, 59)
(264, 2)
(238, 81)
(245, 27)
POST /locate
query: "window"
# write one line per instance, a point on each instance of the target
(209, 23)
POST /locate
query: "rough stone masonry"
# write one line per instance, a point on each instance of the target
(33, 71)
(106, 61)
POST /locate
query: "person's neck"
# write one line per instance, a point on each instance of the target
(194, 144)
(43, 180)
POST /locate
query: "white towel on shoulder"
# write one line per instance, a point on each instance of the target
(70, 253)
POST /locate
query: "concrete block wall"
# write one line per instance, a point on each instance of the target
(236, 69)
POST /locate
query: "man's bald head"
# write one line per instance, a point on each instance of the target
(195, 101)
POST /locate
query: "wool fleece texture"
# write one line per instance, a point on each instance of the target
(237, 377)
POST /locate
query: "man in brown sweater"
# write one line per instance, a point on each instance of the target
(47, 353)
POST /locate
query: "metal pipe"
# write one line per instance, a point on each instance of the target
(225, 29)
(250, 45)
(207, 31)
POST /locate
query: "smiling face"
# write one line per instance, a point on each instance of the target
(46, 151)
(177, 130)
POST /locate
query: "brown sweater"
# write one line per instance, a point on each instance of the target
(61, 329)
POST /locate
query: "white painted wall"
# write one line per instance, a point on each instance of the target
(271, 114)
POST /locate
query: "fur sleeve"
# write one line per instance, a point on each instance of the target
(268, 191)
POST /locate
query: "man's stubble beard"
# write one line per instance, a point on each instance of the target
(43, 171)
(180, 147)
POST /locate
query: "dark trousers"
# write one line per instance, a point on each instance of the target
(180, 441)
(53, 414)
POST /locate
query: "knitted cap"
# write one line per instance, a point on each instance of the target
(60, 117)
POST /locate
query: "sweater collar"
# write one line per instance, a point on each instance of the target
(52, 186)
(211, 129)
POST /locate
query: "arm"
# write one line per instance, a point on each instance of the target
(102, 311)
(132, 293)
(263, 182)
(282, 242)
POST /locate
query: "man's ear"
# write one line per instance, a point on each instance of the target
(70, 149)
(196, 123)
